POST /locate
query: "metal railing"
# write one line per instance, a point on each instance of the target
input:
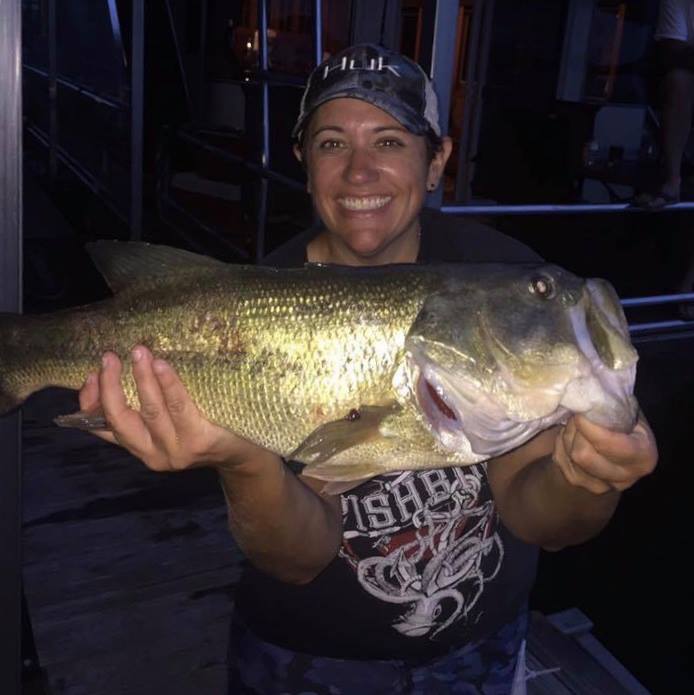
(10, 300)
(77, 88)
(132, 212)
(553, 209)
(86, 178)
(660, 329)
(251, 166)
(439, 26)
(137, 109)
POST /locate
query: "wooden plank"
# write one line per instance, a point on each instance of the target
(96, 519)
(598, 652)
(579, 672)
(141, 641)
(541, 679)
(129, 574)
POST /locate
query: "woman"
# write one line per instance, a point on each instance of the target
(412, 582)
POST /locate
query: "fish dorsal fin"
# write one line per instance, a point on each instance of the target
(125, 264)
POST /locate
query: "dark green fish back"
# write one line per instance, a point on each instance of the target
(134, 266)
(12, 388)
(270, 354)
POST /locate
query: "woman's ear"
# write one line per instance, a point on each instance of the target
(438, 161)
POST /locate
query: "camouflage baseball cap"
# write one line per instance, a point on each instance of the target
(380, 77)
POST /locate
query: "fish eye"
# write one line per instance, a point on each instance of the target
(542, 286)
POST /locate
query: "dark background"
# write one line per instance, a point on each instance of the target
(633, 580)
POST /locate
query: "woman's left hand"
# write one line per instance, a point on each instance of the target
(601, 460)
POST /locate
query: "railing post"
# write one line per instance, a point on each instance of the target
(265, 150)
(137, 95)
(10, 300)
(438, 39)
(318, 31)
(52, 94)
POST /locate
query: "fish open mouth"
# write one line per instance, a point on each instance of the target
(436, 406)
(463, 417)
(605, 394)
(486, 390)
(445, 409)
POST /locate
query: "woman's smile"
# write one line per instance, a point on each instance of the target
(367, 176)
(367, 203)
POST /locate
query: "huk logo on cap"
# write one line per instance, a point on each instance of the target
(373, 65)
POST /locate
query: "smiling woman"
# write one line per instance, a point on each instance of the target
(410, 578)
(368, 176)
(432, 582)
(369, 137)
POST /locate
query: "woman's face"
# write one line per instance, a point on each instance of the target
(368, 177)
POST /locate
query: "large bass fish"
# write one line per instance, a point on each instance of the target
(351, 371)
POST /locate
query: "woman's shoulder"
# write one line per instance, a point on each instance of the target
(453, 238)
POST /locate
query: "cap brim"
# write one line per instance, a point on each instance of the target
(400, 111)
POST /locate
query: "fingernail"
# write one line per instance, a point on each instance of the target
(137, 354)
(105, 360)
(90, 379)
(160, 366)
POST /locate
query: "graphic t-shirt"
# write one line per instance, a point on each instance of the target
(425, 565)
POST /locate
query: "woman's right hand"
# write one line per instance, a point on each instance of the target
(168, 433)
(278, 521)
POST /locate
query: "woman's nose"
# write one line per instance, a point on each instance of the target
(360, 166)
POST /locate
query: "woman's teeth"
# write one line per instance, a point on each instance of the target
(366, 203)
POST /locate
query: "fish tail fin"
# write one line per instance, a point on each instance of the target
(12, 391)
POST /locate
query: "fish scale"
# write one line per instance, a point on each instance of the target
(314, 357)
(353, 371)
(240, 374)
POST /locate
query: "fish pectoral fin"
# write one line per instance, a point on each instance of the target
(334, 437)
(338, 487)
(83, 420)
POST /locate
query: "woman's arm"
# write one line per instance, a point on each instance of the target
(280, 523)
(562, 487)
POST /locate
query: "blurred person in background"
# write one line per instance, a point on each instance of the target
(674, 37)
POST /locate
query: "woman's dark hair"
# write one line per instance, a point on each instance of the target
(434, 144)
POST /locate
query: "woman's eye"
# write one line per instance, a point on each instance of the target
(390, 142)
(330, 145)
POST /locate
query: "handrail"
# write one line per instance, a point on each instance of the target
(679, 326)
(236, 159)
(658, 299)
(88, 179)
(552, 209)
(80, 89)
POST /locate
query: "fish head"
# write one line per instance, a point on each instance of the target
(503, 352)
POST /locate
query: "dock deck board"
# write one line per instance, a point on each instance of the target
(129, 575)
